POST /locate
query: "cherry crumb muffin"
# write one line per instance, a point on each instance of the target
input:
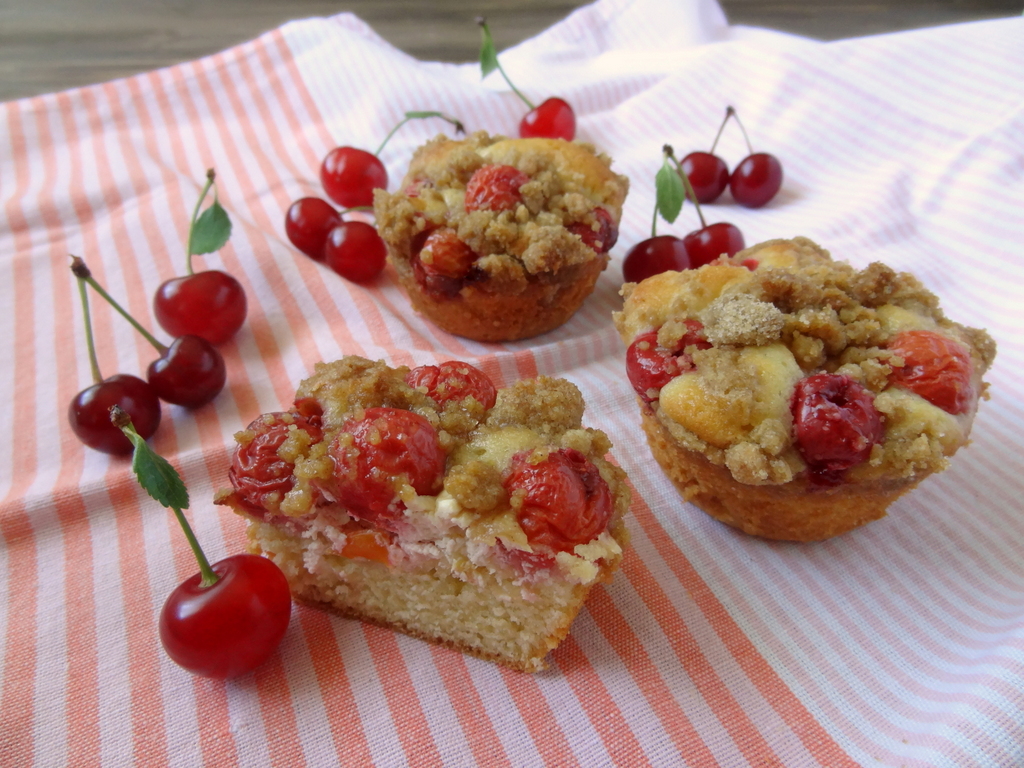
(429, 502)
(499, 239)
(794, 397)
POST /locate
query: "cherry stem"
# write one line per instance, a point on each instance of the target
(82, 273)
(729, 112)
(670, 153)
(120, 419)
(487, 36)
(210, 176)
(419, 116)
(90, 344)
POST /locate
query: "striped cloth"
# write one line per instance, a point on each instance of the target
(900, 644)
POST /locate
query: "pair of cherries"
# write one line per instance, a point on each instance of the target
(662, 253)
(753, 183)
(200, 309)
(349, 176)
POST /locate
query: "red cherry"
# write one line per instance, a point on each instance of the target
(708, 175)
(935, 367)
(446, 255)
(89, 412)
(258, 474)
(756, 180)
(653, 256)
(231, 627)
(650, 366)
(190, 372)
(565, 501)
(210, 304)
(603, 238)
(373, 454)
(705, 245)
(495, 188)
(355, 251)
(453, 381)
(835, 424)
(350, 175)
(553, 119)
(307, 224)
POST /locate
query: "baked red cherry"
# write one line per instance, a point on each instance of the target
(232, 626)
(258, 474)
(661, 253)
(209, 304)
(378, 454)
(650, 366)
(706, 244)
(350, 175)
(835, 425)
(935, 367)
(355, 251)
(708, 175)
(495, 188)
(562, 498)
(551, 119)
(89, 412)
(453, 382)
(600, 239)
(307, 224)
(444, 254)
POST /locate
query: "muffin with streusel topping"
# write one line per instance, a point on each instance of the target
(431, 502)
(499, 239)
(793, 396)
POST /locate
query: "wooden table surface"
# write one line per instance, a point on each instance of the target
(50, 45)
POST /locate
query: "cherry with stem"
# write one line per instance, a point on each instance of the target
(708, 173)
(706, 244)
(189, 372)
(209, 304)
(758, 177)
(229, 618)
(660, 253)
(349, 175)
(552, 119)
(88, 412)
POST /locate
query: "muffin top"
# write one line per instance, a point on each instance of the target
(503, 209)
(780, 361)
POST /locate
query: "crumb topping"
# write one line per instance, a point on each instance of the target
(797, 313)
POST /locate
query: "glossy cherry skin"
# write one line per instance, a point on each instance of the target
(705, 245)
(708, 175)
(552, 119)
(653, 256)
(190, 372)
(494, 188)
(231, 627)
(935, 367)
(355, 251)
(350, 175)
(756, 180)
(89, 412)
(565, 501)
(211, 305)
(308, 222)
(835, 425)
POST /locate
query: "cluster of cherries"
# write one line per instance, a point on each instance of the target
(701, 177)
(350, 247)
(835, 422)
(200, 309)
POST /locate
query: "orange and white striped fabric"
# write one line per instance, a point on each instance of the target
(900, 644)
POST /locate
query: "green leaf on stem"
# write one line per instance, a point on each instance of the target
(154, 473)
(211, 230)
(488, 54)
(669, 192)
